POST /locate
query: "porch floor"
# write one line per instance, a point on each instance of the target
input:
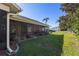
(2, 53)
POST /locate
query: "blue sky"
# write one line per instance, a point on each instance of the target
(39, 11)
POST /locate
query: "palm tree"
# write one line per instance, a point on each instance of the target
(45, 20)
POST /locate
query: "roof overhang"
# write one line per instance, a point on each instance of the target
(26, 20)
(14, 8)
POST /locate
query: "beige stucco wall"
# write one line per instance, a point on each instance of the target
(4, 7)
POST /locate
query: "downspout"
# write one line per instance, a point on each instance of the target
(8, 34)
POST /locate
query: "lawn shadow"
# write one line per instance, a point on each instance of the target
(57, 42)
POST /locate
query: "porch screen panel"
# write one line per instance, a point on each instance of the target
(3, 23)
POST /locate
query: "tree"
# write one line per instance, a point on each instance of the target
(69, 7)
(63, 23)
(45, 20)
(75, 22)
(72, 18)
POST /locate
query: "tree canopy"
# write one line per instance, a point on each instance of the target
(45, 20)
(71, 20)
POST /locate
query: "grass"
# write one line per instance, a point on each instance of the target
(54, 44)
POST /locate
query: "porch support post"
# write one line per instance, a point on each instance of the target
(8, 33)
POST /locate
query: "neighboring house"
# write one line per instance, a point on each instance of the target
(12, 24)
(55, 29)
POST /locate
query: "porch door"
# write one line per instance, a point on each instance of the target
(3, 19)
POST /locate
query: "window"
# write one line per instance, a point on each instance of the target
(29, 29)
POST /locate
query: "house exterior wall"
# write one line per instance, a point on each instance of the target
(24, 29)
(34, 28)
(15, 28)
(21, 29)
(9, 11)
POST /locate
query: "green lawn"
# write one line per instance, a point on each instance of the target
(54, 44)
